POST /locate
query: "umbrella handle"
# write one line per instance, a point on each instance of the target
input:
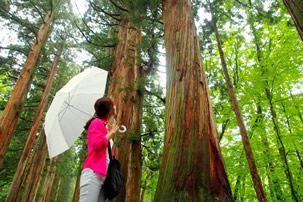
(123, 130)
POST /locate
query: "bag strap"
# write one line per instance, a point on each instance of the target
(109, 151)
(109, 147)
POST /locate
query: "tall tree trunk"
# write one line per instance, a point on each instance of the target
(44, 181)
(281, 146)
(295, 9)
(58, 188)
(33, 179)
(14, 105)
(50, 182)
(16, 184)
(247, 148)
(127, 93)
(192, 168)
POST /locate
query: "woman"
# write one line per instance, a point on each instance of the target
(95, 166)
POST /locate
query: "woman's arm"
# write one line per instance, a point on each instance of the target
(98, 134)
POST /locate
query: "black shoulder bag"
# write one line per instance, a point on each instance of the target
(114, 179)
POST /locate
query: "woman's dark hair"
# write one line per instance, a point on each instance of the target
(102, 108)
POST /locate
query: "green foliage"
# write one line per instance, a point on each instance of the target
(276, 65)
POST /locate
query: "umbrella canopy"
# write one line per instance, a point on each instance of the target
(72, 106)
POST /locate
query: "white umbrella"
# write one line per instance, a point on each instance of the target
(72, 106)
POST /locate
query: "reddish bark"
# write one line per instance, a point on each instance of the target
(77, 190)
(50, 182)
(33, 180)
(14, 105)
(44, 181)
(192, 168)
(127, 94)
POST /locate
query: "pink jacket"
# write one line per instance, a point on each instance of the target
(97, 147)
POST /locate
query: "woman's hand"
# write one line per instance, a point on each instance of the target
(113, 128)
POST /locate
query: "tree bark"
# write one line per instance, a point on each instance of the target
(50, 183)
(126, 91)
(295, 9)
(33, 179)
(247, 148)
(16, 184)
(192, 168)
(14, 105)
(44, 181)
(58, 188)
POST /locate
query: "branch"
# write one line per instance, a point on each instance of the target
(2, 185)
(97, 60)
(150, 133)
(224, 124)
(14, 49)
(243, 4)
(26, 120)
(147, 149)
(92, 43)
(105, 24)
(84, 35)
(40, 14)
(114, 16)
(157, 96)
(19, 21)
(119, 7)
(51, 5)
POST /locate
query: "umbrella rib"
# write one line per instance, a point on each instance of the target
(78, 114)
(61, 114)
(77, 109)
